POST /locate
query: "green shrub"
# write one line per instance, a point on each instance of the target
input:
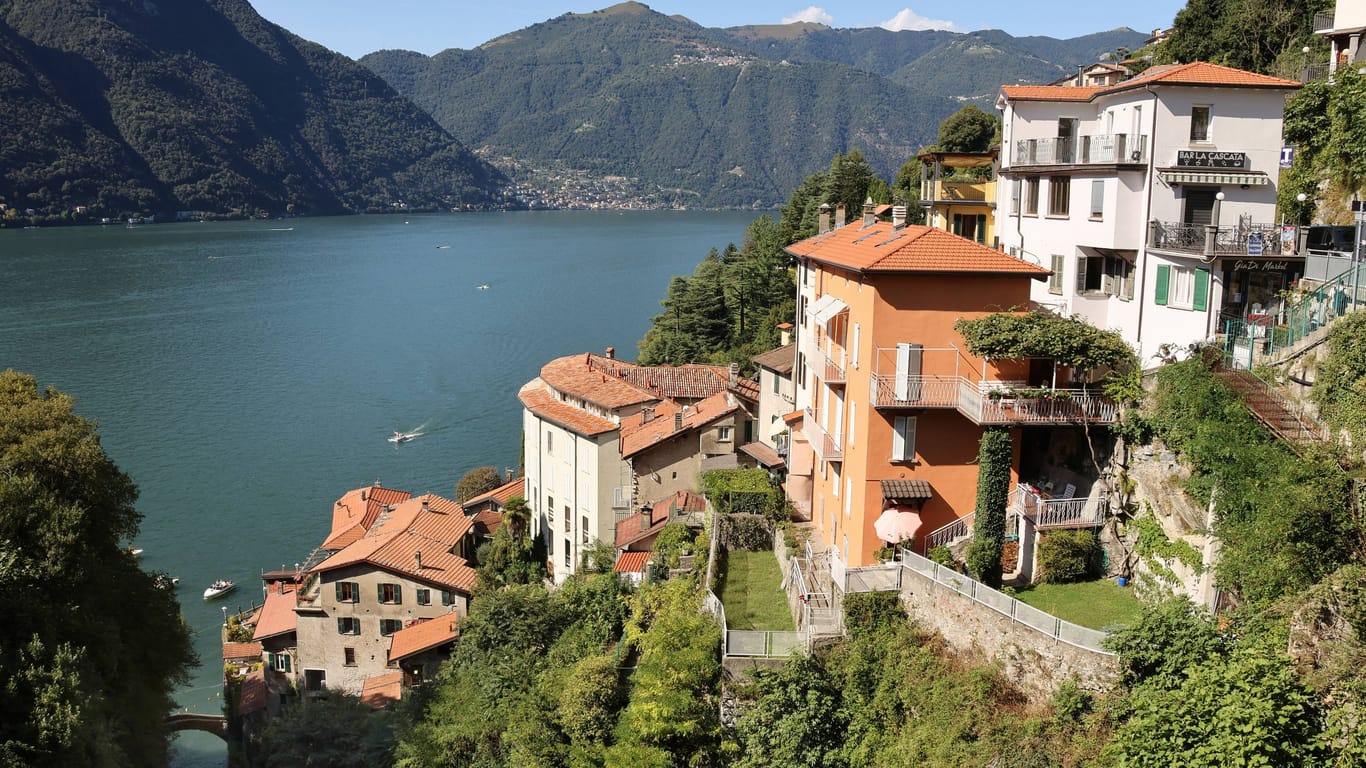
(984, 560)
(742, 491)
(752, 533)
(942, 555)
(1066, 556)
(867, 612)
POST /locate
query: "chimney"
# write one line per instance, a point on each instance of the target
(424, 509)
(785, 333)
(611, 353)
(898, 216)
(1081, 74)
(645, 514)
(678, 421)
(507, 474)
(363, 493)
(647, 414)
(417, 558)
(734, 373)
(824, 225)
(869, 218)
(839, 215)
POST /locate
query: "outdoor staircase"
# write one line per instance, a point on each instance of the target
(1283, 417)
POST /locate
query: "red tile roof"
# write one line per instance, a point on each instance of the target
(253, 696)
(880, 247)
(277, 615)
(487, 522)
(629, 530)
(1194, 73)
(428, 525)
(577, 375)
(681, 382)
(747, 389)
(638, 434)
(540, 402)
(632, 562)
(423, 635)
(241, 651)
(354, 512)
(779, 360)
(382, 690)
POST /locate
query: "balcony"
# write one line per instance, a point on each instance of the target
(1323, 22)
(1050, 406)
(932, 191)
(826, 447)
(1200, 239)
(834, 368)
(1047, 512)
(1100, 149)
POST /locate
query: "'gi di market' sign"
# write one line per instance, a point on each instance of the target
(1201, 158)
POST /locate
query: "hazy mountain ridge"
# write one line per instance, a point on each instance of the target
(717, 117)
(132, 107)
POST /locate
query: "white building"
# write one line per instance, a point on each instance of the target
(1344, 28)
(1153, 200)
(578, 485)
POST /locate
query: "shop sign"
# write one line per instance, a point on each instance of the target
(1201, 158)
(1260, 266)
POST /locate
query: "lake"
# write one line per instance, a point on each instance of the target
(246, 374)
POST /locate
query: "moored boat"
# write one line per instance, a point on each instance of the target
(219, 588)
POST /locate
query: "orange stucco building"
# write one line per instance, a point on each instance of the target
(891, 405)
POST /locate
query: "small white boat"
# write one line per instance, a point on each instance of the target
(219, 588)
(135, 552)
(402, 437)
(165, 582)
(484, 287)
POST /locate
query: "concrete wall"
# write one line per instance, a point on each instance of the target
(1033, 661)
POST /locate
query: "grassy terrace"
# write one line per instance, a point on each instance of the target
(1095, 604)
(751, 590)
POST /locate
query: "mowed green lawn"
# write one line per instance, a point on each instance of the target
(1095, 604)
(753, 594)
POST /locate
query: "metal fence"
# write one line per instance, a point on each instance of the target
(1257, 336)
(763, 643)
(1022, 613)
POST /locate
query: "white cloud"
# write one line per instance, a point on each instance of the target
(812, 13)
(909, 19)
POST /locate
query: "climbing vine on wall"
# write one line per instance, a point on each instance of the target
(1069, 340)
(993, 494)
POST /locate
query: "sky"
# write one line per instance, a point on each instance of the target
(358, 27)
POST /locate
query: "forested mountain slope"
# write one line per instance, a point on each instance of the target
(152, 107)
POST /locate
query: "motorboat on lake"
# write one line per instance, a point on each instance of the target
(403, 437)
(219, 588)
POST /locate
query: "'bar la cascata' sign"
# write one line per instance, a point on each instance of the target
(1202, 158)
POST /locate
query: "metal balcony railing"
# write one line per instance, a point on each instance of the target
(834, 368)
(1242, 239)
(932, 191)
(1051, 406)
(1098, 149)
(1046, 512)
(1323, 21)
(823, 443)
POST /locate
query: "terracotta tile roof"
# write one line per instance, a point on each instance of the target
(428, 525)
(906, 489)
(487, 522)
(637, 434)
(277, 615)
(632, 562)
(779, 360)
(1194, 73)
(354, 512)
(253, 696)
(880, 247)
(499, 495)
(1050, 92)
(746, 389)
(242, 651)
(382, 690)
(579, 376)
(763, 454)
(423, 635)
(662, 512)
(540, 402)
(793, 417)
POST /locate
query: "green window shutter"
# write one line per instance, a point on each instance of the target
(1164, 276)
(1201, 300)
(981, 229)
(339, 596)
(379, 592)
(1081, 274)
(341, 626)
(288, 668)
(445, 597)
(958, 224)
(270, 658)
(398, 594)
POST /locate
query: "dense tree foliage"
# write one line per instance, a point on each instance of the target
(157, 108)
(1327, 122)
(1340, 387)
(1257, 35)
(90, 648)
(338, 731)
(969, 130)
(477, 482)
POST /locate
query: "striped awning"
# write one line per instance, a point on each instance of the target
(1242, 178)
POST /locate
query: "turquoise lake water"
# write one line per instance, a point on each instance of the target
(246, 374)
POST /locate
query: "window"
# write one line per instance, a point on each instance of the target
(568, 554)
(1055, 279)
(447, 597)
(348, 592)
(349, 657)
(1014, 196)
(854, 352)
(1097, 199)
(835, 481)
(348, 625)
(848, 497)
(390, 626)
(568, 519)
(1059, 195)
(1182, 287)
(1031, 198)
(390, 594)
(280, 662)
(903, 439)
(549, 443)
(585, 528)
(550, 509)
(723, 434)
(851, 423)
(1110, 274)
(1200, 119)
(777, 384)
(424, 597)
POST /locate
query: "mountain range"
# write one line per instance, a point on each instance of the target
(699, 116)
(118, 107)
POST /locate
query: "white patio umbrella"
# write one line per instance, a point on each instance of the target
(897, 524)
